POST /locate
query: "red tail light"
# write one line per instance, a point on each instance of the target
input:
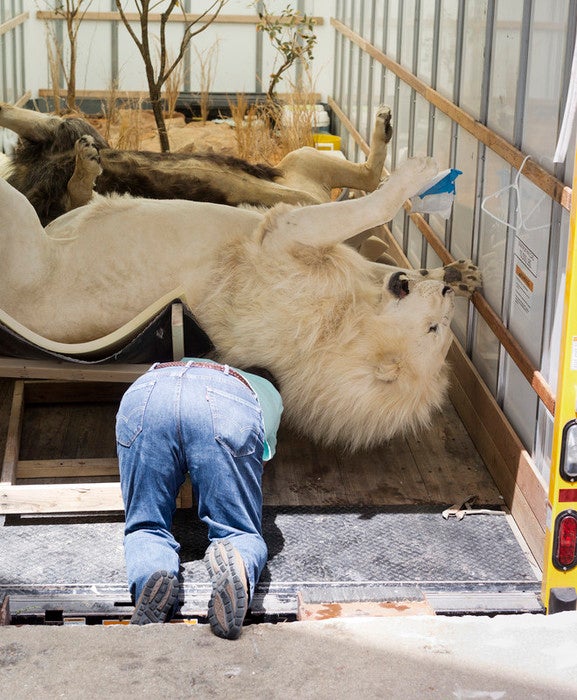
(565, 542)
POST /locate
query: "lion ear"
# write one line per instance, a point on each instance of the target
(389, 369)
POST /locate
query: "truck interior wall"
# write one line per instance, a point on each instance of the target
(507, 65)
(237, 57)
(488, 57)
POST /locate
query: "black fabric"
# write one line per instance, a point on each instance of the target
(153, 343)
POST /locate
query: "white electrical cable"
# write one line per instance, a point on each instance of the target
(569, 115)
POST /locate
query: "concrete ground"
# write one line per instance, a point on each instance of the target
(511, 657)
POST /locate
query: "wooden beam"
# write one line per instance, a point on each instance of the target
(179, 18)
(549, 184)
(97, 94)
(60, 498)
(71, 498)
(12, 450)
(177, 330)
(53, 369)
(66, 468)
(52, 391)
(14, 22)
(23, 99)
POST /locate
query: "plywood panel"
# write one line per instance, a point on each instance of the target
(437, 466)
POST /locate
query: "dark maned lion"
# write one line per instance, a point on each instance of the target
(58, 163)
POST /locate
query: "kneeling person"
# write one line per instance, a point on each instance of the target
(217, 424)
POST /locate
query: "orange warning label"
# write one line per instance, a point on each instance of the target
(523, 277)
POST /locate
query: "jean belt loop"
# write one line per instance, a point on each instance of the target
(226, 369)
(154, 366)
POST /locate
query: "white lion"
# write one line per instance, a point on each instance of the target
(358, 347)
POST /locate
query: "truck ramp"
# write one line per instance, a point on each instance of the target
(62, 568)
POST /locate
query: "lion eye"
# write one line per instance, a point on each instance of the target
(434, 328)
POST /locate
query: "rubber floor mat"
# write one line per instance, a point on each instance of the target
(409, 546)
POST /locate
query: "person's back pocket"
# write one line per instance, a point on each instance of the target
(130, 416)
(237, 423)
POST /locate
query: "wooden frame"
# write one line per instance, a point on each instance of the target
(79, 497)
(53, 498)
(11, 24)
(156, 17)
(62, 381)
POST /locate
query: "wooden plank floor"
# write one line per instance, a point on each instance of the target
(438, 467)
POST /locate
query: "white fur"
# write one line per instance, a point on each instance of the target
(356, 364)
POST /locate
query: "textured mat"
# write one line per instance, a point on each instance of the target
(305, 545)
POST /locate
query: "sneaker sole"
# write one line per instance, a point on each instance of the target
(157, 600)
(229, 600)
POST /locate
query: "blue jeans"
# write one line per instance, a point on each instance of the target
(188, 419)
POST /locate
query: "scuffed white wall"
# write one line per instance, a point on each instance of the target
(236, 56)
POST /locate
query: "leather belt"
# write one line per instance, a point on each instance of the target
(207, 365)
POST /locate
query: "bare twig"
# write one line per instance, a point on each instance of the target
(157, 78)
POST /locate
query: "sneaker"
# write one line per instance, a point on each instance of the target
(229, 601)
(158, 599)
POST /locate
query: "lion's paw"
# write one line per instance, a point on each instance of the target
(463, 276)
(86, 149)
(87, 156)
(384, 117)
(416, 172)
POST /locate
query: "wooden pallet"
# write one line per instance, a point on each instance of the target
(95, 484)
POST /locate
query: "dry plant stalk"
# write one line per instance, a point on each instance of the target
(72, 13)
(262, 134)
(255, 139)
(206, 61)
(54, 69)
(129, 126)
(172, 86)
(297, 128)
(111, 109)
(238, 112)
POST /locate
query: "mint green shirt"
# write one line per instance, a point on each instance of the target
(270, 404)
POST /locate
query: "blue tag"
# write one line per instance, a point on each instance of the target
(445, 184)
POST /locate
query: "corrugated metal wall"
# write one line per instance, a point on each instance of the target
(12, 64)
(506, 64)
(242, 58)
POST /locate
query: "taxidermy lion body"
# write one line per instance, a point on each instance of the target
(58, 162)
(358, 348)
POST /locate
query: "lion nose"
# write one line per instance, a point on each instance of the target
(399, 285)
(446, 290)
